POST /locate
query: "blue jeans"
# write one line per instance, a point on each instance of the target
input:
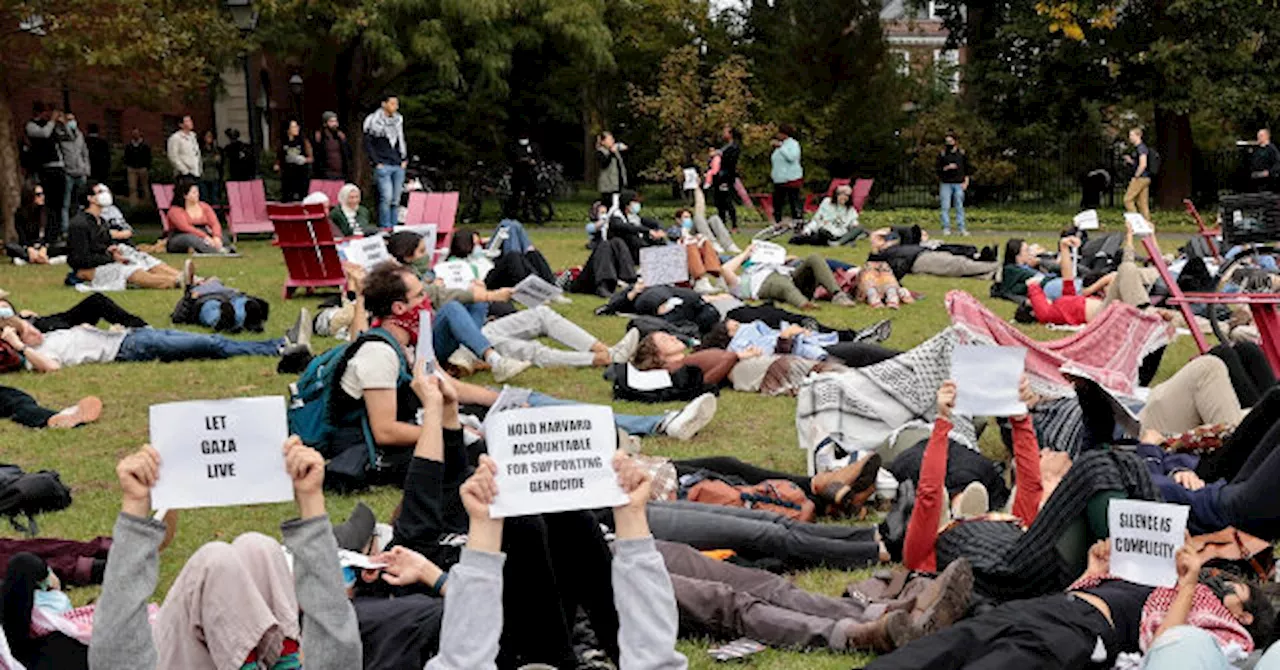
(73, 189)
(211, 312)
(154, 344)
(1191, 648)
(390, 180)
(517, 239)
(628, 423)
(946, 193)
(453, 326)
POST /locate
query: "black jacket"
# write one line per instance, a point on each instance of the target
(241, 161)
(321, 167)
(1265, 159)
(137, 155)
(87, 241)
(728, 173)
(954, 157)
(99, 157)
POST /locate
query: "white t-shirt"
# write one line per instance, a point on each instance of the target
(82, 344)
(375, 366)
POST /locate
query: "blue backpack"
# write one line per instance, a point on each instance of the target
(311, 401)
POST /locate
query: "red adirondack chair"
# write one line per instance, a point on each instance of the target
(1210, 235)
(765, 200)
(163, 194)
(862, 191)
(439, 209)
(248, 213)
(329, 187)
(310, 252)
(811, 202)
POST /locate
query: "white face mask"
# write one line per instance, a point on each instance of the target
(103, 198)
(524, 143)
(635, 208)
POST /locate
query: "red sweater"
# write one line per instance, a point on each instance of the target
(1068, 310)
(208, 224)
(918, 550)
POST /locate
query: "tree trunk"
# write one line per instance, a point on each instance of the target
(350, 110)
(1176, 145)
(591, 124)
(9, 186)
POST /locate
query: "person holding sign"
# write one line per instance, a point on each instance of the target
(794, 285)
(644, 597)
(1125, 285)
(247, 582)
(1097, 618)
(611, 263)
(507, 267)
(1022, 261)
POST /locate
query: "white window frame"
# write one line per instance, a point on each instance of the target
(903, 64)
(950, 59)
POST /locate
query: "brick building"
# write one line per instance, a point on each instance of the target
(918, 39)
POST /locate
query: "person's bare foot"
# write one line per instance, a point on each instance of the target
(88, 410)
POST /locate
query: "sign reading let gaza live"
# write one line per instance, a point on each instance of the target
(553, 459)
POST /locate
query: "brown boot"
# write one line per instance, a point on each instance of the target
(875, 636)
(850, 486)
(941, 603)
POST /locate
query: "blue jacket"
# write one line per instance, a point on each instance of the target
(758, 334)
(786, 162)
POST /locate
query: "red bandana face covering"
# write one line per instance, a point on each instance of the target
(408, 321)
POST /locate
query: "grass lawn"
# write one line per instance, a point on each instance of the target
(757, 429)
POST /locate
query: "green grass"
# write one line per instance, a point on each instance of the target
(754, 428)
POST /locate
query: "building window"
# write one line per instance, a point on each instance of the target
(170, 124)
(901, 60)
(114, 126)
(933, 10)
(946, 62)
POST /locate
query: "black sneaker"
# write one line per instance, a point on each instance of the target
(294, 359)
(875, 334)
(300, 332)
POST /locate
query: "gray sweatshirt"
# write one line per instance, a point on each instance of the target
(642, 591)
(75, 153)
(122, 636)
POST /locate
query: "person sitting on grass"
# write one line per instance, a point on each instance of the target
(105, 264)
(193, 225)
(1022, 261)
(50, 352)
(794, 285)
(834, 224)
(279, 618)
(35, 244)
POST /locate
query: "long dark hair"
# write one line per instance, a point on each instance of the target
(21, 580)
(462, 245)
(181, 187)
(1011, 250)
(28, 202)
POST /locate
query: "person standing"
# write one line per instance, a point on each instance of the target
(385, 145)
(953, 178)
(523, 156)
(239, 157)
(724, 182)
(99, 154)
(1264, 163)
(75, 158)
(210, 168)
(333, 153)
(613, 170)
(1138, 196)
(183, 149)
(137, 167)
(293, 162)
(787, 174)
(46, 155)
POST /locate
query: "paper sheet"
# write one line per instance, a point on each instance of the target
(216, 453)
(426, 350)
(768, 253)
(1087, 220)
(1138, 224)
(456, 275)
(367, 252)
(664, 265)
(987, 380)
(553, 459)
(533, 291)
(647, 380)
(511, 397)
(1144, 538)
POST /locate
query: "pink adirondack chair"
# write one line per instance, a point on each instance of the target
(163, 195)
(310, 252)
(329, 187)
(440, 209)
(862, 191)
(811, 203)
(248, 213)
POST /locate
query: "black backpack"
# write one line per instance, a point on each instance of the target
(686, 384)
(28, 494)
(256, 312)
(1153, 161)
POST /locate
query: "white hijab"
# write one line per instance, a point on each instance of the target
(342, 201)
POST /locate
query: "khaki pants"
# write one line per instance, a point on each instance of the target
(139, 185)
(1199, 394)
(1137, 198)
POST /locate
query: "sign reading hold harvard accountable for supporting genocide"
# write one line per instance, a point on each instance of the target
(216, 453)
(1144, 538)
(553, 459)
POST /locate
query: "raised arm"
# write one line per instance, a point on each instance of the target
(1026, 458)
(919, 547)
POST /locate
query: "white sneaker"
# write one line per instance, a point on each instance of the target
(625, 349)
(704, 286)
(694, 417)
(19, 262)
(562, 299)
(58, 260)
(506, 368)
(464, 360)
(733, 249)
(974, 501)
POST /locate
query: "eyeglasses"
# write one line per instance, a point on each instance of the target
(39, 194)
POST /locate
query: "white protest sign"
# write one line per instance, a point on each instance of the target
(455, 274)
(553, 459)
(768, 253)
(648, 380)
(216, 453)
(533, 291)
(1137, 224)
(987, 380)
(511, 397)
(1144, 538)
(667, 264)
(367, 252)
(426, 346)
(1087, 220)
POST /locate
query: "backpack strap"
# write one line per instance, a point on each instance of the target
(406, 375)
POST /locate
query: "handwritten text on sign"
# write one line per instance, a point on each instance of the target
(1144, 538)
(667, 264)
(553, 459)
(216, 453)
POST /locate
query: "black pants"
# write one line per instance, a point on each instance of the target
(788, 196)
(1229, 460)
(1249, 501)
(820, 238)
(774, 316)
(861, 354)
(732, 467)
(512, 267)
(726, 205)
(54, 181)
(1055, 632)
(19, 251)
(609, 263)
(23, 409)
(97, 307)
(294, 182)
(1251, 374)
